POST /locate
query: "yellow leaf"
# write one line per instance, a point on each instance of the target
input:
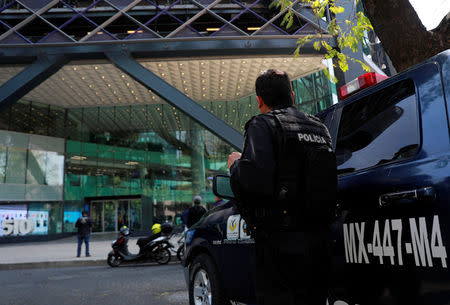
(316, 45)
(338, 9)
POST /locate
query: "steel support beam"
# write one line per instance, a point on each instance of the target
(18, 86)
(129, 65)
(162, 48)
(309, 16)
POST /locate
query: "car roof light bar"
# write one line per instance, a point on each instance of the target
(364, 81)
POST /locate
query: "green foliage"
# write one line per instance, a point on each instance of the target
(328, 75)
(348, 34)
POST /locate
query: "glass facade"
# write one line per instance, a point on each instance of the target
(313, 93)
(31, 167)
(127, 165)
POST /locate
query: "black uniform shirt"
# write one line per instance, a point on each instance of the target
(195, 213)
(252, 176)
(84, 225)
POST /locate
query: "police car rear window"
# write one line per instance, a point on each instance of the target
(378, 129)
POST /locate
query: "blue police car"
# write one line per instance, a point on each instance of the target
(392, 227)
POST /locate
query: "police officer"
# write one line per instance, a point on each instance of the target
(285, 183)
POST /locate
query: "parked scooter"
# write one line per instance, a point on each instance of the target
(180, 251)
(155, 248)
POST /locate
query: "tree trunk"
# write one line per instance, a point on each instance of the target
(402, 34)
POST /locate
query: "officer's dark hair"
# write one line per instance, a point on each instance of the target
(84, 213)
(274, 87)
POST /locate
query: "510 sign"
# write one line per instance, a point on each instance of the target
(422, 245)
(17, 226)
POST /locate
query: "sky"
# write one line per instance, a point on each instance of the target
(431, 12)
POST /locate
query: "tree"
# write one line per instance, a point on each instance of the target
(396, 23)
(404, 38)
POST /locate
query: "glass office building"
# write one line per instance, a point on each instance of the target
(93, 86)
(126, 165)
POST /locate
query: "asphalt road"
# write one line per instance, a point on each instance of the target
(100, 285)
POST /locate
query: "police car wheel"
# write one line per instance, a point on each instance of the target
(205, 286)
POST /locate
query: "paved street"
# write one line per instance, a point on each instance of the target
(99, 285)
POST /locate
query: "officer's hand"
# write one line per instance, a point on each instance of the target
(233, 157)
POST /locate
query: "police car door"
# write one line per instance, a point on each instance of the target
(237, 258)
(392, 153)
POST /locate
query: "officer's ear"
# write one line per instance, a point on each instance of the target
(260, 102)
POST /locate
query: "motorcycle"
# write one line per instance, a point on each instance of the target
(180, 251)
(156, 250)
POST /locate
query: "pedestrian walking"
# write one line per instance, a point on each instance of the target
(195, 212)
(218, 201)
(84, 225)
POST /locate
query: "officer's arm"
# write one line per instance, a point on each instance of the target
(252, 175)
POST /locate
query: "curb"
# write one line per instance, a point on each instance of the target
(61, 264)
(74, 263)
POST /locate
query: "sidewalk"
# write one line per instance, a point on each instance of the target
(60, 253)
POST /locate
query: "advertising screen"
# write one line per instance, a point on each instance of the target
(10, 215)
(40, 219)
(71, 217)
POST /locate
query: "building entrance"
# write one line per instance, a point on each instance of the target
(110, 215)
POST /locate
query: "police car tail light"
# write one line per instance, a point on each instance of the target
(362, 82)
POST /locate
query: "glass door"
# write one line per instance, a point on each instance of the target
(109, 216)
(136, 214)
(123, 218)
(97, 216)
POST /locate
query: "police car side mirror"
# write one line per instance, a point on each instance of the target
(222, 187)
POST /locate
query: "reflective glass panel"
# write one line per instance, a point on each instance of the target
(36, 170)
(109, 216)
(96, 216)
(123, 218)
(2, 164)
(16, 165)
(54, 169)
(136, 214)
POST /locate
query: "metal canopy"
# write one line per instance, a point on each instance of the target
(205, 80)
(54, 21)
(182, 65)
(177, 99)
(30, 78)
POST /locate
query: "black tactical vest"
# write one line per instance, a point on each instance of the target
(306, 177)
